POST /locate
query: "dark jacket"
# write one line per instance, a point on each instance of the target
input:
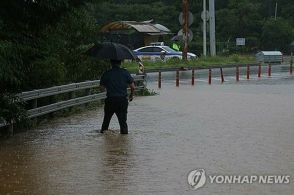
(116, 81)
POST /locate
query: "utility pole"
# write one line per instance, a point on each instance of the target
(185, 28)
(276, 9)
(204, 28)
(212, 28)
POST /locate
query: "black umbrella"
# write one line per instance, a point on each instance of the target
(110, 50)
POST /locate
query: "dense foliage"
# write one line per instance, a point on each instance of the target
(249, 19)
(42, 44)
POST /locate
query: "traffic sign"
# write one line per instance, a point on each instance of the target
(190, 18)
(206, 15)
(190, 34)
(240, 41)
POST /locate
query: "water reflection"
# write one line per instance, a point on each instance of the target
(117, 162)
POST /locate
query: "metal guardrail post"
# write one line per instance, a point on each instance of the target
(144, 84)
(140, 83)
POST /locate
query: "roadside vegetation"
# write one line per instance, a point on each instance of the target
(202, 62)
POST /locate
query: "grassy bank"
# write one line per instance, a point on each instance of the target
(199, 63)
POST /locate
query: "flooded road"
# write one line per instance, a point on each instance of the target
(243, 128)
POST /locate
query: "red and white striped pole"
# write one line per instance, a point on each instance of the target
(209, 76)
(193, 76)
(248, 72)
(222, 75)
(291, 63)
(177, 78)
(259, 70)
(237, 74)
(159, 79)
(269, 70)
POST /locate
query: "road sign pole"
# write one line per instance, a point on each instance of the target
(212, 28)
(185, 28)
(204, 28)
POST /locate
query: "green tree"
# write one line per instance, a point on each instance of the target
(41, 45)
(276, 35)
(239, 19)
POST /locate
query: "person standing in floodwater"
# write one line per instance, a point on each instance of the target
(116, 81)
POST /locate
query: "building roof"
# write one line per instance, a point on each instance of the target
(143, 27)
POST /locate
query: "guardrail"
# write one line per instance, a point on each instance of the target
(73, 101)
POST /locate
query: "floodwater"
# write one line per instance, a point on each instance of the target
(243, 128)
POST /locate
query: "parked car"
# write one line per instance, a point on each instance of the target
(160, 52)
